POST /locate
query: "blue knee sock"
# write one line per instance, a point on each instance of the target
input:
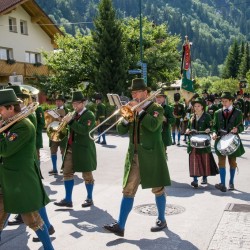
(232, 174)
(196, 179)
(44, 216)
(68, 189)
(161, 206)
(43, 235)
(104, 138)
(89, 188)
(173, 135)
(126, 207)
(179, 136)
(54, 160)
(223, 176)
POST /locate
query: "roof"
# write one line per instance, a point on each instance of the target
(36, 13)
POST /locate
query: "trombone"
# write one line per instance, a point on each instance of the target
(126, 112)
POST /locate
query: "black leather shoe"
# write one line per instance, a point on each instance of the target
(87, 203)
(159, 226)
(103, 143)
(115, 229)
(17, 221)
(221, 187)
(194, 184)
(53, 172)
(51, 231)
(64, 203)
(231, 187)
(204, 181)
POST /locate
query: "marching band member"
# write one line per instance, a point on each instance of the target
(54, 145)
(179, 113)
(22, 189)
(168, 119)
(80, 154)
(199, 158)
(145, 161)
(227, 120)
(100, 117)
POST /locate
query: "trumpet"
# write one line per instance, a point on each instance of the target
(19, 116)
(126, 112)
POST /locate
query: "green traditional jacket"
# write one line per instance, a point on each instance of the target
(83, 148)
(211, 110)
(234, 120)
(179, 112)
(247, 108)
(100, 112)
(40, 126)
(21, 184)
(150, 148)
(166, 125)
(202, 124)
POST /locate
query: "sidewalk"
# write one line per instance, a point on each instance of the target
(196, 218)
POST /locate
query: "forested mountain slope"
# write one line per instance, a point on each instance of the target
(211, 25)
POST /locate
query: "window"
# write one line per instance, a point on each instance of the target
(12, 24)
(6, 53)
(23, 27)
(32, 57)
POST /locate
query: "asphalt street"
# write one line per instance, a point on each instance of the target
(202, 218)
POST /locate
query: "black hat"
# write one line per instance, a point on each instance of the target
(60, 97)
(227, 95)
(77, 96)
(18, 91)
(138, 84)
(177, 97)
(98, 96)
(210, 98)
(198, 100)
(8, 97)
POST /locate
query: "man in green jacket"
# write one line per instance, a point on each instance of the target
(146, 160)
(100, 117)
(228, 119)
(22, 189)
(80, 154)
(168, 119)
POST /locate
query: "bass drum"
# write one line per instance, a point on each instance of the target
(228, 144)
(200, 141)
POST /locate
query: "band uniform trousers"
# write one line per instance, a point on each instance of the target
(68, 171)
(231, 160)
(134, 180)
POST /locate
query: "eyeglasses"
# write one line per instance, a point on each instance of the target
(136, 92)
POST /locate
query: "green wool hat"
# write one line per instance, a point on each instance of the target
(138, 84)
(227, 95)
(8, 97)
(162, 93)
(60, 97)
(18, 91)
(77, 96)
(198, 100)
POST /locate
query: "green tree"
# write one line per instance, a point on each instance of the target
(71, 64)
(109, 65)
(244, 64)
(232, 62)
(160, 50)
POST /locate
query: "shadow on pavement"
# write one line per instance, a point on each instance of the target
(84, 219)
(171, 241)
(59, 180)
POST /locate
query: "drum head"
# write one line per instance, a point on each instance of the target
(200, 140)
(228, 144)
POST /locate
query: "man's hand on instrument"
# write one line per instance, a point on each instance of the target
(234, 130)
(207, 130)
(214, 136)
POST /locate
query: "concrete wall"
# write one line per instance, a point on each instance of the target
(36, 40)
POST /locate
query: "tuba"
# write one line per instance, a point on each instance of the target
(21, 115)
(57, 131)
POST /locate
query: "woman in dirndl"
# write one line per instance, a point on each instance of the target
(201, 161)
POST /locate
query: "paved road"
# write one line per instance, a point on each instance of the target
(197, 220)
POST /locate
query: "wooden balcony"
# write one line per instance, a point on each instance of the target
(28, 70)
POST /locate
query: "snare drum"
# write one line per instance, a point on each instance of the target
(228, 144)
(200, 141)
